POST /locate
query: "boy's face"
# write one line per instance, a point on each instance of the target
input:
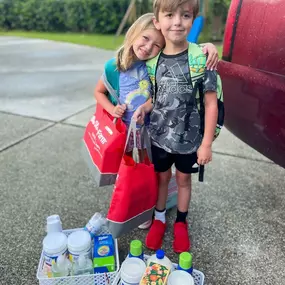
(175, 26)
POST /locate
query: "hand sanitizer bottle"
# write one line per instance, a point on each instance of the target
(95, 224)
(136, 249)
(62, 267)
(185, 262)
(83, 265)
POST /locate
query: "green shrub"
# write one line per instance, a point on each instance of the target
(94, 16)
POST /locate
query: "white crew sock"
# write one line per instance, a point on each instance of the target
(160, 215)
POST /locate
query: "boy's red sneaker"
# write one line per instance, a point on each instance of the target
(155, 235)
(181, 241)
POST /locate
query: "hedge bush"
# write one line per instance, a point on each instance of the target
(94, 16)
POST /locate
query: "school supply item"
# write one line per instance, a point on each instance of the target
(95, 224)
(53, 224)
(61, 267)
(185, 262)
(179, 277)
(104, 254)
(83, 266)
(79, 243)
(155, 274)
(135, 192)
(132, 271)
(160, 258)
(136, 249)
(103, 146)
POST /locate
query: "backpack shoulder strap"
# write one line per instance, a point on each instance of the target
(197, 62)
(151, 65)
(197, 65)
(110, 79)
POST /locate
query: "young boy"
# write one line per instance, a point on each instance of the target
(175, 121)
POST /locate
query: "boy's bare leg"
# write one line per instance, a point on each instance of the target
(183, 181)
(163, 181)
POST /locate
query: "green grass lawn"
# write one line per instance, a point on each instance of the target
(109, 42)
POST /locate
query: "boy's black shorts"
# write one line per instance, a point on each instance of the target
(163, 160)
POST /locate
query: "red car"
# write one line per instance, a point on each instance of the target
(253, 75)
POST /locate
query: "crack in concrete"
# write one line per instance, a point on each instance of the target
(30, 135)
(40, 130)
(62, 122)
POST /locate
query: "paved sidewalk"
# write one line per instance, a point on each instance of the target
(46, 98)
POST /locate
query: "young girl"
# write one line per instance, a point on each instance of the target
(142, 42)
(128, 73)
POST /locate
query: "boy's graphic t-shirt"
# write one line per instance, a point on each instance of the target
(135, 89)
(175, 120)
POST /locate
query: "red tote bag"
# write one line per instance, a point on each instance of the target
(135, 194)
(103, 146)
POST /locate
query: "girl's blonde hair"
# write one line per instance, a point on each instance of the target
(125, 56)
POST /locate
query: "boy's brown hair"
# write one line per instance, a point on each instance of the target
(172, 5)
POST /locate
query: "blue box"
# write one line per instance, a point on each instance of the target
(104, 254)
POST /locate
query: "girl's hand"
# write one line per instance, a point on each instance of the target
(119, 111)
(213, 56)
(204, 154)
(139, 115)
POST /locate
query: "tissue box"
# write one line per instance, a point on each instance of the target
(104, 254)
(155, 274)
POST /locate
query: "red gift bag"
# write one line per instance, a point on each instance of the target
(103, 148)
(135, 195)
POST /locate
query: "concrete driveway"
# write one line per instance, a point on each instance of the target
(236, 217)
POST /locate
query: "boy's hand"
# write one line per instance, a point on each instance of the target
(204, 154)
(119, 111)
(139, 115)
(213, 56)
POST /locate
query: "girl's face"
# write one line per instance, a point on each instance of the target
(148, 44)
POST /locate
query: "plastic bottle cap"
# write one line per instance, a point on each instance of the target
(185, 260)
(53, 218)
(55, 243)
(132, 270)
(136, 248)
(79, 241)
(180, 277)
(160, 254)
(96, 216)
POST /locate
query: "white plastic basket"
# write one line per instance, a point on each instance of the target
(198, 276)
(91, 279)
